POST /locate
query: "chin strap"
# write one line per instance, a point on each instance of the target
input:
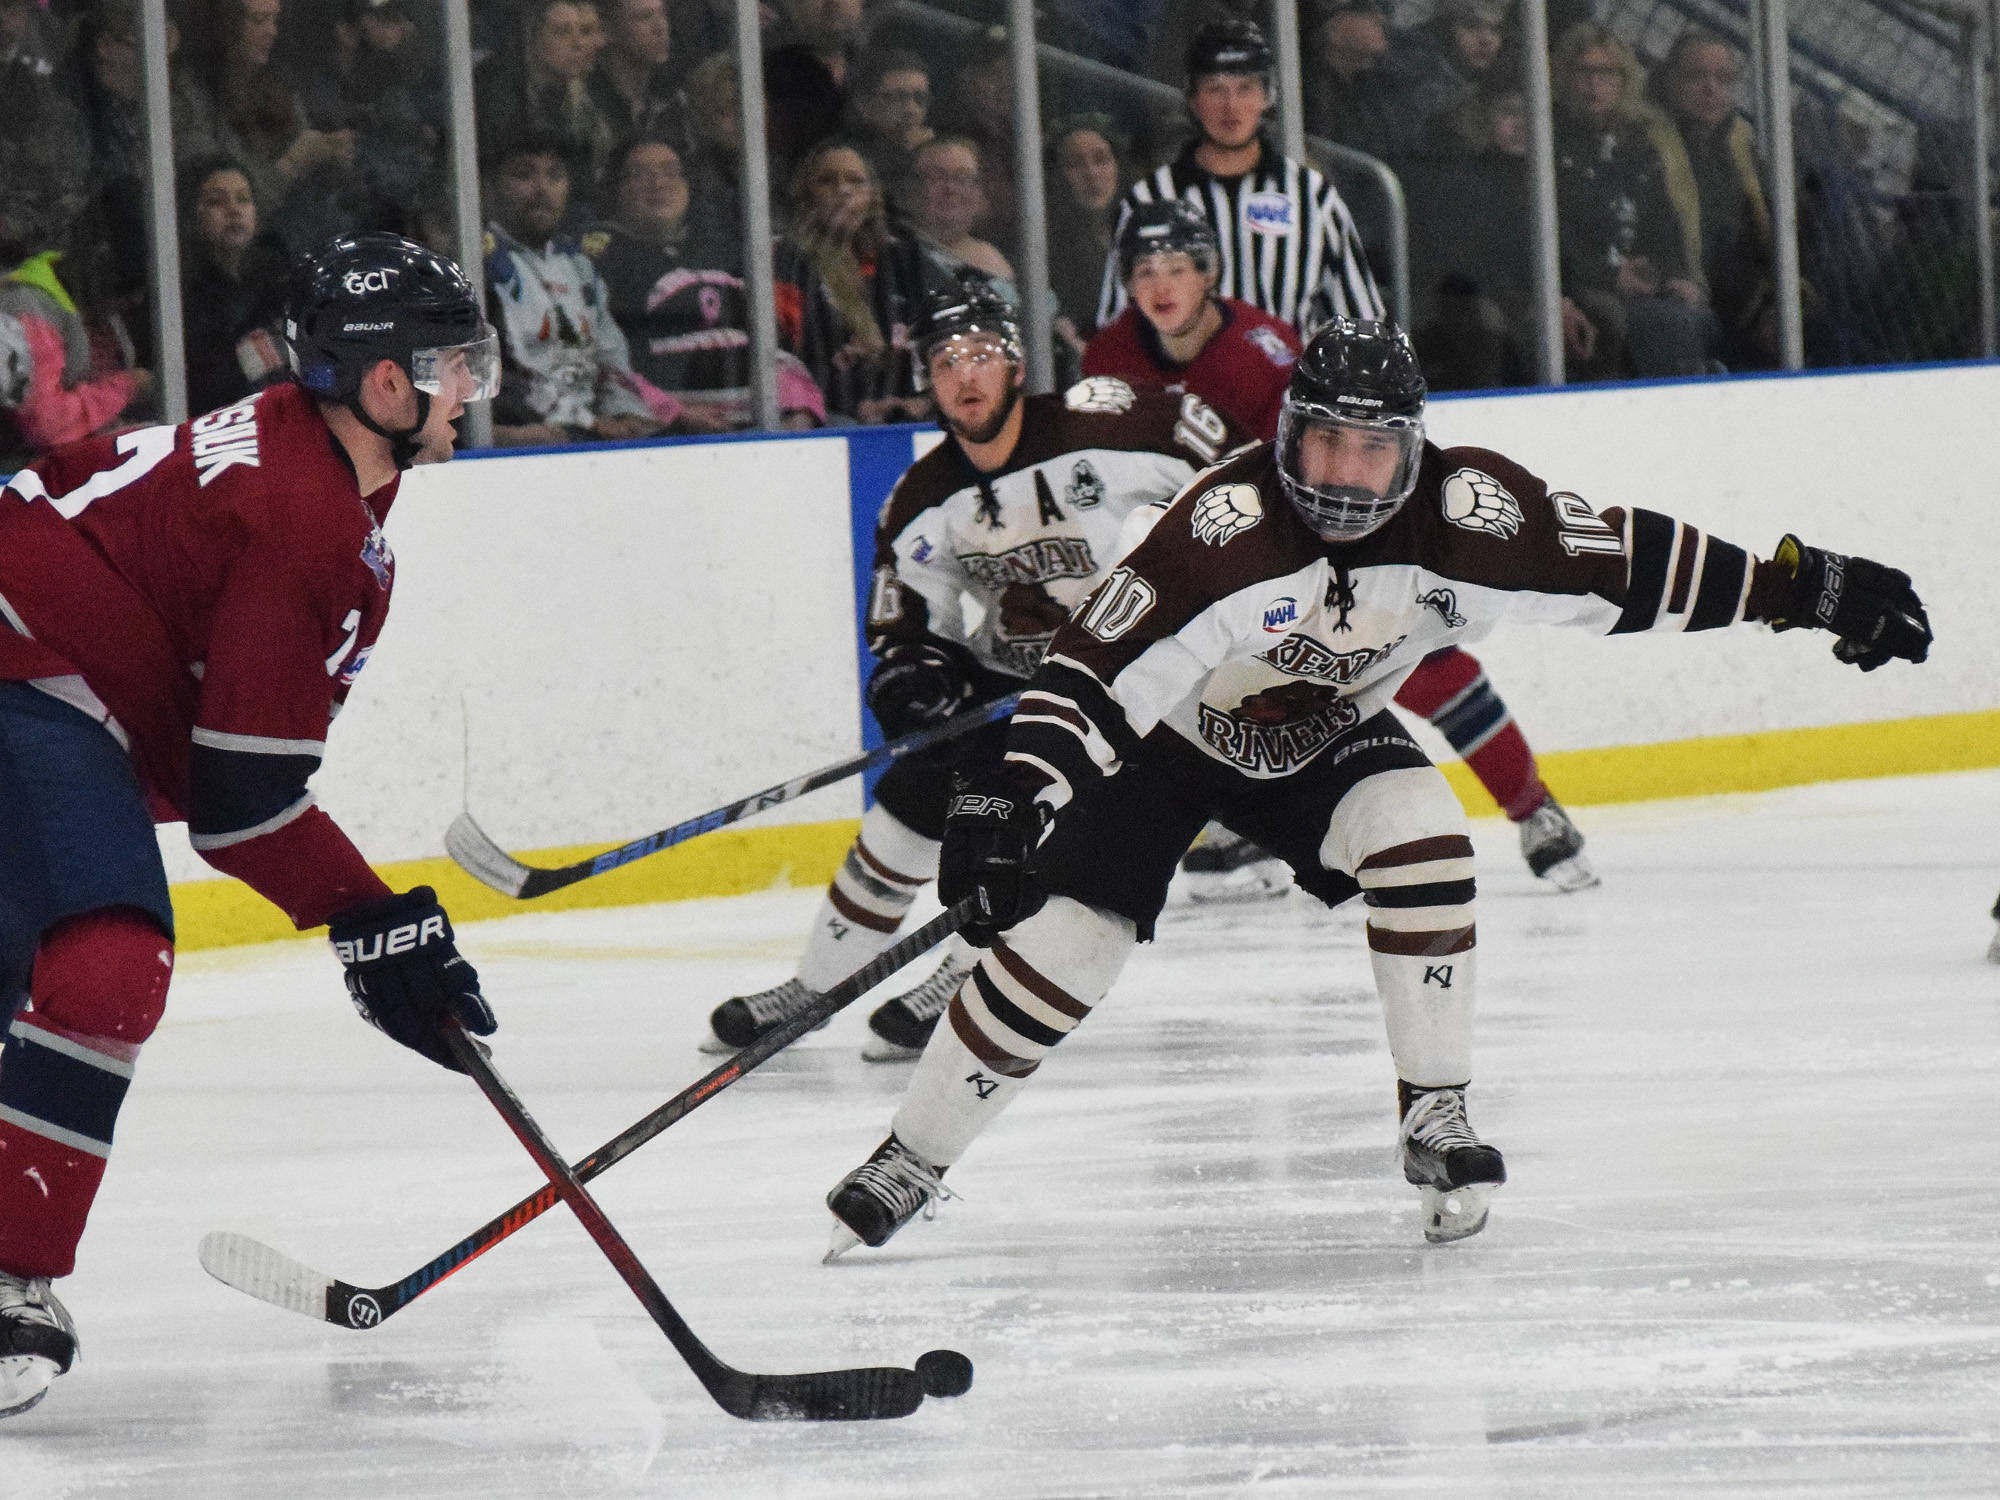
(403, 446)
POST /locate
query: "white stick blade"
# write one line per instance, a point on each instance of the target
(255, 1268)
(485, 861)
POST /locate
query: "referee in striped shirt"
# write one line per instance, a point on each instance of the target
(1288, 243)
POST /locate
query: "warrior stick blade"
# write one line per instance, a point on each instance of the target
(255, 1268)
(485, 861)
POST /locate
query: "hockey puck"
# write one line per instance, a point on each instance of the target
(944, 1372)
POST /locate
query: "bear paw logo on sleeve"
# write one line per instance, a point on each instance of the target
(1099, 393)
(1478, 502)
(1227, 512)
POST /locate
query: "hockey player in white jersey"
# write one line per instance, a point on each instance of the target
(1238, 665)
(982, 549)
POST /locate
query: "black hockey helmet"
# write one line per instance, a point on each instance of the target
(1363, 379)
(968, 305)
(363, 298)
(1229, 46)
(1160, 228)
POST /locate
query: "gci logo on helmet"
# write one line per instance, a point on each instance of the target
(359, 282)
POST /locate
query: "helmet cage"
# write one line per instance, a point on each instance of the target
(1340, 512)
(1003, 330)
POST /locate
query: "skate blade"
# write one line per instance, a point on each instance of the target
(715, 1046)
(1573, 874)
(881, 1049)
(1238, 885)
(1456, 1213)
(844, 1240)
(24, 1380)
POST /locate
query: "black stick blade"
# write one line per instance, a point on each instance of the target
(866, 1395)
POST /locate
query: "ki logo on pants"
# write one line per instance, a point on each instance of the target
(1438, 974)
(980, 1082)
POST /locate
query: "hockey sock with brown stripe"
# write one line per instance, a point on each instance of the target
(871, 893)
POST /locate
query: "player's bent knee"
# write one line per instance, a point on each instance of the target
(1081, 948)
(1388, 811)
(103, 975)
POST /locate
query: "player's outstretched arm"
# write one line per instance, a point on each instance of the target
(1872, 609)
(405, 974)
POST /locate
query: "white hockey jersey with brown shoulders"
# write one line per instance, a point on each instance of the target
(996, 561)
(1240, 630)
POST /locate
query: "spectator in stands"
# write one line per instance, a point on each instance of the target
(714, 163)
(68, 395)
(1356, 96)
(631, 83)
(372, 83)
(945, 200)
(44, 150)
(1632, 300)
(687, 324)
(1696, 85)
(1462, 59)
(1085, 174)
(979, 106)
(303, 176)
(806, 76)
(542, 87)
(30, 40)
(888, 113)
(233, 285)
(848, 290)
(566, 370)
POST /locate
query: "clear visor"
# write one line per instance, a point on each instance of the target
(968, 350)
(459, 372)
(1347, 476)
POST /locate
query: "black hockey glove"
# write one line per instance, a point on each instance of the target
(991, 828)
(405, 974)
(917, 684)
(1871, 608)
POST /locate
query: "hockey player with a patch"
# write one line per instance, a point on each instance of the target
(1238, 665)
(982, 549)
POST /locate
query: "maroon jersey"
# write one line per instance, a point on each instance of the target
(1242, 371)
(209, 592)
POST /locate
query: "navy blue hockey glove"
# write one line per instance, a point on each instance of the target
(918, 684)
(991, 829)
(405, 974)
(1871, 608)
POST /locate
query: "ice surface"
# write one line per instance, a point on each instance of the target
(1747, 1091)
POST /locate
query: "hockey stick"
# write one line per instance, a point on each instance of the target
(480, 857)
(818, 1396)
(269, 1275)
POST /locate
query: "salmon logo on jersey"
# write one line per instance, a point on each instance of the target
(1445, 602)
(1479, 502)
(1222, 514)
(1086, 488)
(223, 438)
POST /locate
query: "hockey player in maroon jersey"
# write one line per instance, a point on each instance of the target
(1177, 333)
(1015, 515)
(1238, 665)
(182, 612)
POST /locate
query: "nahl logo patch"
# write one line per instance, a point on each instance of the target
(1479, 502)
(1280, 615)
(1225, 513)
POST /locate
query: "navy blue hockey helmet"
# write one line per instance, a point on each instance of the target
(1163, 227)
(969, 305)
(1229, 46)
(363, 298)
(1359, 382)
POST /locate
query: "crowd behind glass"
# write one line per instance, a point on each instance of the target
(608, 148)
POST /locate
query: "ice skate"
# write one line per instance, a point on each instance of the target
(1223, 866)
(882, 1195)
(37, 1341)
(903, 1023)
(1553, 847)
(735, 1024)
(1456, 1170)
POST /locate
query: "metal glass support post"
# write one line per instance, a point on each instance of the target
(1545, 262)
(1038, 306)
(758, 279)
(1978, 50)
(1769, 18)
(468, 231)
(162, 226)
(1291, 75)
